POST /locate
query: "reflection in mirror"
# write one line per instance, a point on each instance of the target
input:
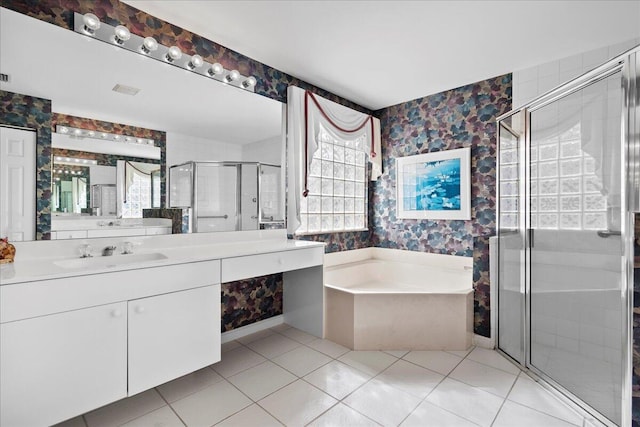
(196, 118)
(138, 188)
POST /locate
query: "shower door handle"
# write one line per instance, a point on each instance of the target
(531, 237)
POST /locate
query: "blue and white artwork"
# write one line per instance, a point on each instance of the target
(434, 185)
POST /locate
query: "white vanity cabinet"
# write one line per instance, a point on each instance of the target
(55, 366)
(172, 335)
(70, 345)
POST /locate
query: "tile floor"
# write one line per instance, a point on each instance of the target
(283, 376)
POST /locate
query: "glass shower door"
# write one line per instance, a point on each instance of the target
(511, 240)
(576, 270)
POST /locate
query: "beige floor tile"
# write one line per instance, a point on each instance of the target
(184, 386)
(438, 361)
(429, 415)
(494, 359)
(484, 377)
(337, 379)
(466, 401)
(125, 410)
(210, 405)
(514, 414)
(163, 417)
(302, 360)
(329, 348)
(237, 360)
(410, 378)
(298, 335)
(369, 362)
(251, 416)
(262, 380)
(273, 345)
(297, 404)
(382, 403)
(342, 415)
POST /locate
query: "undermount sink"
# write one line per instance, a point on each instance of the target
(110, 261)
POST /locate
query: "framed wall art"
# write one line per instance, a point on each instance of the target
(434, 185)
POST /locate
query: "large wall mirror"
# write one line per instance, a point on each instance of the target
(187, 117)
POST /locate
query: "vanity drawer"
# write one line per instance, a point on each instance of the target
(70, 234)
(39, 298)
(120, 232)
(244, 267)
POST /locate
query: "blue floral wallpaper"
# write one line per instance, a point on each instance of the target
(462, 117)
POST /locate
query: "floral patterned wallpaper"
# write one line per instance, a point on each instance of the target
(462, 117)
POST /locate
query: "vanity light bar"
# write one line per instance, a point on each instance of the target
(62, 160)
(89, 25)
(86, 133)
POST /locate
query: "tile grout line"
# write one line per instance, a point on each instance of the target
(495, 417)
(171, 407)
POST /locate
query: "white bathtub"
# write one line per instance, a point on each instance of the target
(386, 299)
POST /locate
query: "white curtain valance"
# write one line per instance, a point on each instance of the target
(307, 113)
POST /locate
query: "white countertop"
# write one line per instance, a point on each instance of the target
(37, 260)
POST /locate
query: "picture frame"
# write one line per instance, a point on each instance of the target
(434, 185)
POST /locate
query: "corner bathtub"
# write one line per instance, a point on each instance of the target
(387, 299)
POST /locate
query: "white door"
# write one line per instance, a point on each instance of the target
(172, 335)
(62, 365)
(17, 184)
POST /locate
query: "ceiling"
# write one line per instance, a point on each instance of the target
(381, 53)
(78, 73)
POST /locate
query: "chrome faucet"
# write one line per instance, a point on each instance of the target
(108, 251)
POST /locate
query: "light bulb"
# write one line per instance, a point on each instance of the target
(139, 140)
(58, 158)
(91, 23)
(150, 142)
(195, 62)
(215, 69)
(122, 34)
(116, 137)
(232, 76)
(77, 132)
(91, 133)
(64, 129)
(173, 54)
(249, 82)
(103, 135)
(149, 44)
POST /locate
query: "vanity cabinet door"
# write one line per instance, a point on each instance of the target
(58, 366)
(172, 335)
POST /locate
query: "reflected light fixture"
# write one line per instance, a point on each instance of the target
(122, 34)
(89, 25)
(86, 133)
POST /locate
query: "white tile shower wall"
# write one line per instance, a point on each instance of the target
(183, 148)
(265, 151)
(530, 83)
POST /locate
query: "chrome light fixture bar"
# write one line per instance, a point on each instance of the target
(89, 25)
(73, 161)
(85, 133)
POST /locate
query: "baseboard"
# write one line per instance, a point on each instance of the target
(484, 342)
(252, 328)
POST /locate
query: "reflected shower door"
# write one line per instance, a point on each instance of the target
(217, 197)
(576, 309)
(510, 241)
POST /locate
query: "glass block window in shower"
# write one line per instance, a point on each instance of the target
(566, 192)
(337, 181)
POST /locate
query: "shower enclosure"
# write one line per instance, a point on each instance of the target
(569, 176)
(228, 196)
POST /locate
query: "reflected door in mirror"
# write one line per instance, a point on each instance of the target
(17, 178)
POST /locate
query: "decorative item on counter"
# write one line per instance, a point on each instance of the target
(7, 251)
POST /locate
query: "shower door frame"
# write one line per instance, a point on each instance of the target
(628, 64)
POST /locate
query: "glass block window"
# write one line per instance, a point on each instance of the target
(337, 182)
(138, 196)
(565, 190)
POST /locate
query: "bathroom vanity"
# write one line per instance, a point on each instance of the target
(79, 333)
